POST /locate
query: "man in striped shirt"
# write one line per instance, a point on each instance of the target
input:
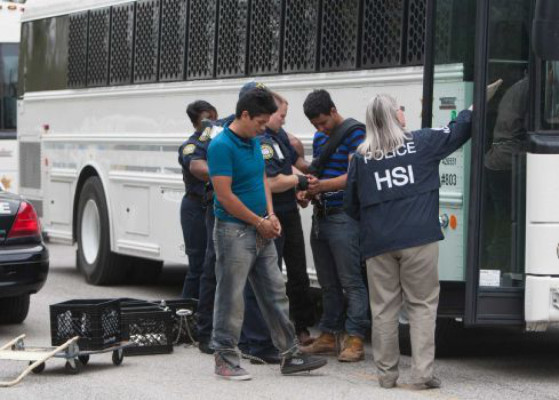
(335, 236)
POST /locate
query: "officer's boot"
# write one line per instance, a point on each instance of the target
(352, 349)
(324, 344)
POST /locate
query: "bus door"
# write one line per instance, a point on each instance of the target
(471, 43)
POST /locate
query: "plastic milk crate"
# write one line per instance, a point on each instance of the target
(95, 321)
(148, 327)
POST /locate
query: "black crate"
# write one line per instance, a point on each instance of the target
(186, 333)
(147, 327)
(95, 321)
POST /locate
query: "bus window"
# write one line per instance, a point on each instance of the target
(505, 129)
(8, 85)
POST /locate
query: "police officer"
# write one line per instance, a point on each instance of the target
(192, 206)
(280, 158)
(393, 190)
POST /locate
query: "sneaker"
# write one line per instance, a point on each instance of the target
(226, 370)
(352, 350)
(324, 344)
(204, 347)
(387, 382)
(300, 362)
(433, 383)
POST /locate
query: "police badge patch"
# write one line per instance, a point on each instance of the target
(267, 151)
(188, 149)
(206, 135)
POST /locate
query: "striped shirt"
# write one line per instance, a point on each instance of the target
(338, 162)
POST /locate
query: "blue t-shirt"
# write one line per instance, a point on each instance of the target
(338, 162)
(241, 159)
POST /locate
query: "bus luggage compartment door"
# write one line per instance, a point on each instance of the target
(542, 241)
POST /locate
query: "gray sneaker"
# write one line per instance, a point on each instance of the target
(226, 370)
(433, 383)
(387, 382)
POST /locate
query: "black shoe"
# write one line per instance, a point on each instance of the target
(269, 358)
(205, 348)
(300, 362)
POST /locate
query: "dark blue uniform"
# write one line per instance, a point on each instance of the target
(385, 193)
(192, 219)
(255, 336)
(280, 156)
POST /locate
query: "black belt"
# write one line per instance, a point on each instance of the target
(326, 211)
(195, 196)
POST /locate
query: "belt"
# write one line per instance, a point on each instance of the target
(326, 211)
(195, 196)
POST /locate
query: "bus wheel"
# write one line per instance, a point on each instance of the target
(142, 270)
(94, 258)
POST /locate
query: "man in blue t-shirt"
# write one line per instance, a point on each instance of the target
(334, 235)
(244, 228)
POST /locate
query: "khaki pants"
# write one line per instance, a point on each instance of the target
(409, 275)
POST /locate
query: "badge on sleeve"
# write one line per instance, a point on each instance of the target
(188, 149)
(206, 134)
(267, 151)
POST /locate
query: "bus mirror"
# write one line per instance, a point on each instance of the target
(545, 30)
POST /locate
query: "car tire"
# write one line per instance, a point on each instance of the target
(95, 259)
(13, 310)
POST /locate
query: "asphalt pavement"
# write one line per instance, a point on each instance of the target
(487, 364)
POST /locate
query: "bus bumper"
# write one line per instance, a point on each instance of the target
(541, 303)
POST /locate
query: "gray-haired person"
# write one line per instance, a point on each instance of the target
(393, 190)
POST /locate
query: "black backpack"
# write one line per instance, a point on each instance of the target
(340, 133)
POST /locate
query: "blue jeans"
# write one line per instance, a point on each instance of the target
(242, 254)
(335, 247)
(255, 335)
(194, 234)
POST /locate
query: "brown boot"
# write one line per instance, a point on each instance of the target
(324, 344)
(352, 349)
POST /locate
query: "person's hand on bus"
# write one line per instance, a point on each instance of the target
(491, 90)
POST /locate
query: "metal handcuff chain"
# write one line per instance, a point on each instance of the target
(183, 314)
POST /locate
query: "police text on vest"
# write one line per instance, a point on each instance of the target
(399, 176)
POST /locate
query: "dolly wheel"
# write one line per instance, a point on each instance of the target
(84, 359)
(73, 366)
(118, 356)
(39, 368)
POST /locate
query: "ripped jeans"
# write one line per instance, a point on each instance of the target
(242, 254)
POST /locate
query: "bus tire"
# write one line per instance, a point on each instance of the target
(94, 257)
(142, 270)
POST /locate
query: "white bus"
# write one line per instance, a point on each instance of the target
(10, 17)
(106, 83)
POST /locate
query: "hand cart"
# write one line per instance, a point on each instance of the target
(16, 350)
